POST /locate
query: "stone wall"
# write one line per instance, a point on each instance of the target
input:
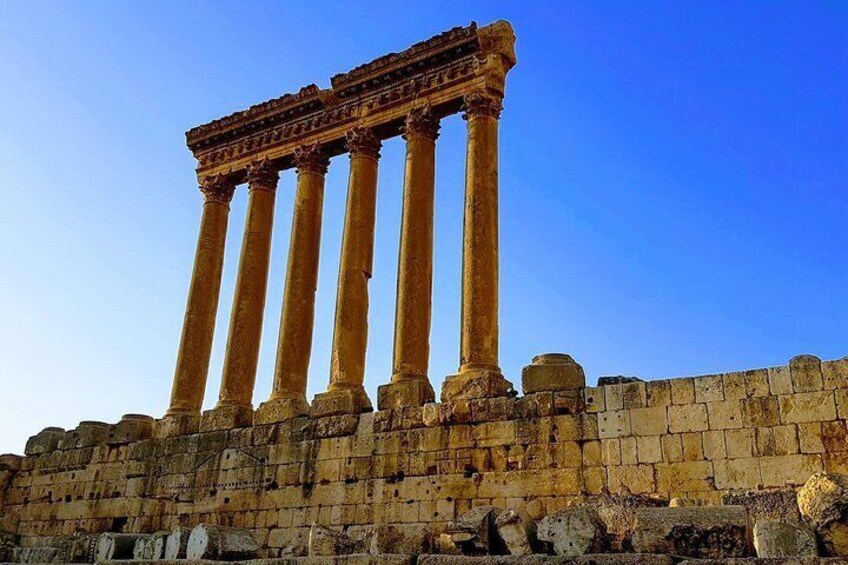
(689, 437)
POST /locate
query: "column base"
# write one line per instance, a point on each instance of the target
(226, 417)
(177, 424)
(415, 391)
(340, 401)
(279, 410)
(471, 384)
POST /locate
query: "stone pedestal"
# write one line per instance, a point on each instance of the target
(552, 372)
(173, 425)
(405, 392)
(340, 401)
(475, 383)
(226, 417)
(279, 410)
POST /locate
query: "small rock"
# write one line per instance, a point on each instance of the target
(517, 531)
(823, 502)
(574, 531)
(708, 532)
(774, 539)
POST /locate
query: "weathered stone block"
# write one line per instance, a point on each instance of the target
(325, 542)
(552, 372)
(340, 401)
(806, 373)
(175, 425)
(649, 421)
(835, 374)
(221, 543)
(403, 393)
(474, 384)
(280, 410)
(176, 543)
(87, 434)
(517, 530)
(614, 424)
(808, 407)
(402, 539)
(773, 504)
(474, 532)
(132, 427)
(823, 502)
(573, 532)
(774, 539)
(226, 418)
(687, 418)
(111, 547)
(703, 532)
(45, 441)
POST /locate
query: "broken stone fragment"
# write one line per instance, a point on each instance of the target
(474, 532)
(773, 504)
(773, 539)
(823, 502)
(574, 531)
(708, 532)
(221, 543)
(45, 441)
(324, 542)
(517, 531)
(552, 372)
(176, 543)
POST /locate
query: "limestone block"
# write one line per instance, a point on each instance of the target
(649, 421)
(780, 380)
(176, 543)
(757, 383)
(771, 504)
(613, 424)
(785, 470)
(573, 532)
(517, 530)
(326, 542)
(806, 373)
(87, 434)
(589, 559)
(739, 443)
(735, 386)
(773, 539)
(714, 446)
(404, 393)
(726, 414)
(226, 418)
(594, 399)
(402, 539)
(111, 546)
(698, 531)
(45, 441)
(823, 502)
(760, 411)
(474, 532)
(132, 427)
(634, 394)
(552, 372)
(688, 476)
(682, 391)
(709, 388)
(687, 418)
(618, 513)
(221, 543)
(737, 473)
(835, 374)
(807, 407)
(175, 425)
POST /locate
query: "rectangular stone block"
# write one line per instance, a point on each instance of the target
(757, 382)
(739, 443)
(760, 411)
(682, 391)
(672, 447)
(649, 421)
(634, 395)
(709, 388)
(835, 374)
(806, 373)
(810, 437)
(780, 380)
(714, 446)
(724, 415)
(687, 418)
(737, 473)
(614, 424)
(649, 449)
(689, 476)
(593, 397)
(658, 393)
(672, 531)
(789, 470)
(807, 407)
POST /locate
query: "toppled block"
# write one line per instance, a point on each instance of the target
(325, 542)
(111, 546)
(402, 539)
(132, 427)
(150, 547)
(773, 539)
(552, 372)
(574, 531)
(221, 543)
(773, 504)
(517, 531)
(474, 532)
(45, 441)
(823, 502)
(176, 543)
(708, 532)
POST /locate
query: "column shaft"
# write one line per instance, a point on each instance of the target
(242, 354)
(202, 306)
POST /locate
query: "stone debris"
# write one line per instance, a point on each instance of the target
(699, 531)
(176, 543)
(474, 532)
(517, 531)
(113, 547)
(326, 541)
(618, 513)
(403, 539)
(221, 543)
(773, 539)
(772, 504)
(35, 555)
(823, 502)
(573, 532)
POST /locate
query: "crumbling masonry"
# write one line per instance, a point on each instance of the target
(483, 471)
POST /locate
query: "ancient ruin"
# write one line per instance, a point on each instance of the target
(712, 468)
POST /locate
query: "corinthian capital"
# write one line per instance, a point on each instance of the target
(311, 159)
(480, 103)
(262, 175)
(217, 188)
(362, 141)
(421, 123)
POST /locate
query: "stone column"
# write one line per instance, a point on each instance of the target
(288, 397)
(346, 394)
(235, 408)
(410, 385)
(189, 386)
(479, 374)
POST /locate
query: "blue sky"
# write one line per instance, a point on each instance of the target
(673, 188)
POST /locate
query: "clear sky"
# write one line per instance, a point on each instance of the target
(673, 188)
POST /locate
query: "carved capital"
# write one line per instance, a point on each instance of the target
(262, 175)
(421, 123)
(362, 141)
(311, 159)
(217, 188)
(479, 103)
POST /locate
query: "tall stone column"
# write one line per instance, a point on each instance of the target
(479, 374)
(410, 385)
(288, 396)
(235, 408)
(346, 393)
(192, 368)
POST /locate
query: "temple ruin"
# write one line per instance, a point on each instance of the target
(629, 471)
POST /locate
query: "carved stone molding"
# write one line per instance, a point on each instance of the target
(311, 159)
(362, 141)
(479, 103)
(421, 122)
(262, 175)
(217, 188)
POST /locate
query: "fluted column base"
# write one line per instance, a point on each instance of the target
(175, 424)
(474, 383)
(408, 391)
(278, 410)
(339, 401)
(226, 417)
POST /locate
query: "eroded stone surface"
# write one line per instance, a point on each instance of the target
(573, 532)
(774, 539)
(703, 532)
